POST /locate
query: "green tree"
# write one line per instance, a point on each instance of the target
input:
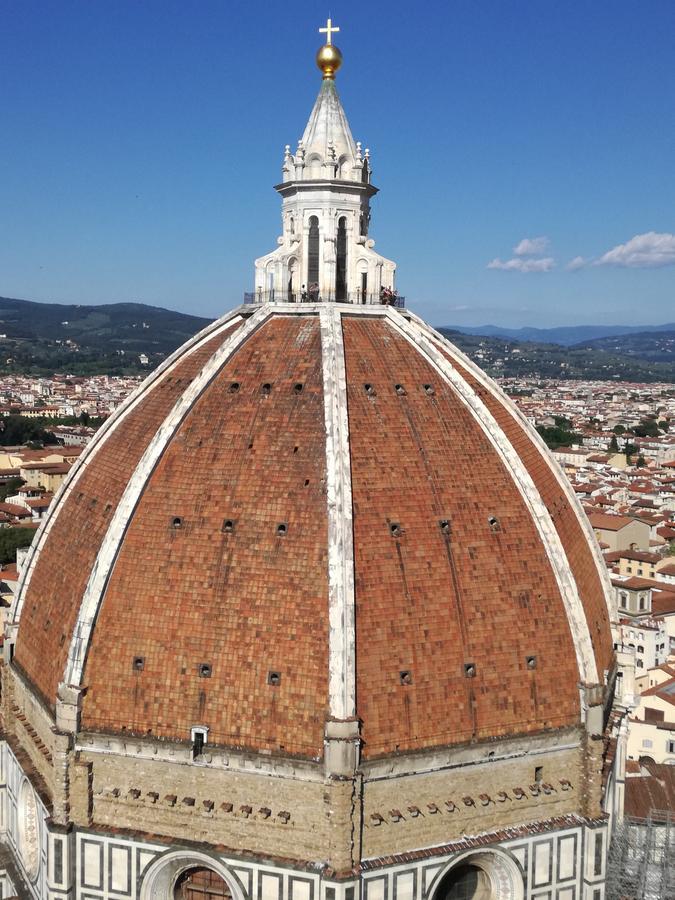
(558, 437)
(646, 428)
(613, 445)
(11, 539)
(20, 430)
(10, 487)
(619, 429)
(630, 449)
(641, 462)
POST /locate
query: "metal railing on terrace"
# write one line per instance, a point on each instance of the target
(357, 298)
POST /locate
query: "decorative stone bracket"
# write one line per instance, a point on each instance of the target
(68, 708)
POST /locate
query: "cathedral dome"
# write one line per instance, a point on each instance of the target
(310, 514)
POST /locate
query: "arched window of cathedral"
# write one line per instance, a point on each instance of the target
(292, 279)
(314, 166)
(291, 225)
(201, 884)
(341, 267)
(270, 280)
(465, 882)
(343, 168)
(313, 251)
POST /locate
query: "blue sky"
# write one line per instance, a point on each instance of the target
(141, 141)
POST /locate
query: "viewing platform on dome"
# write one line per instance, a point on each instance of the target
(358, 298)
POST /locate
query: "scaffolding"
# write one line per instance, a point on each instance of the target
(641, 862)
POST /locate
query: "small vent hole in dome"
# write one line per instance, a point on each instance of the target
(395, 529)
(405, 677)
(469, 670)
(429, 389)
(444, 525)
(531, 662)
(138, 663)
(176, 522)
(234, 387)
(228, 526)
(298, 388)
(266, 389)
(400, 390)
(282, 529)
(205, 670)
(274, 678)
(493, 522)
(370, 390)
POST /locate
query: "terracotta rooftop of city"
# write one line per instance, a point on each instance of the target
(317, 512)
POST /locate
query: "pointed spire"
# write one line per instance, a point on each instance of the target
(328, 134)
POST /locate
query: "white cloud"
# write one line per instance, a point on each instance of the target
(646, 251)
(531, 246)
(523, 265)
(577, 263)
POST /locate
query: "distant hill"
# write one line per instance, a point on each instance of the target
(81, 339)
(606, 359)
(647, 345)
(567, 336)
(113, 326)
(43, 338)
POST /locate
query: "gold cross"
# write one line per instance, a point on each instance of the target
(328, 30)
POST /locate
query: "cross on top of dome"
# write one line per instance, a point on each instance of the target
(329, 57)
(328, 30)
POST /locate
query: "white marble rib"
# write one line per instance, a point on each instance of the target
(546, 455)
(566, 584)
(99, 440)
(110, 547)
(341, 612)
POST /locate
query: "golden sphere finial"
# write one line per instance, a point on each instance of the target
(329, 60)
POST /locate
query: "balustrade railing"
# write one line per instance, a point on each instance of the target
(357, 298)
